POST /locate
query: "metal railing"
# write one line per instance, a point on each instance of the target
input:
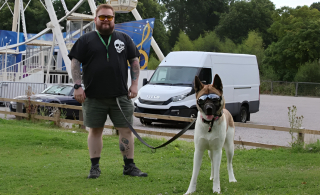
(290, 88)
(31, 69)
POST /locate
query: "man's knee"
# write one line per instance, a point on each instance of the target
(96, 131)
(124, 131)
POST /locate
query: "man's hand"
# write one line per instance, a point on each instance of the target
(79, 95)
(133, 91)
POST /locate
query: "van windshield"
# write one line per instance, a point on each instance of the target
(172, 75)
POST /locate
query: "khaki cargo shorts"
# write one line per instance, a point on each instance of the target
(96, 111)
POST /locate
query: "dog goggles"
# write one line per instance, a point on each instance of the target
(103, 17)
(204, 98)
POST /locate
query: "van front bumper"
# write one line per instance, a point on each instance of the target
(181, 111)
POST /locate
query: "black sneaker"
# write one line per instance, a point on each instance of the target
(94, 172)
(132, 170)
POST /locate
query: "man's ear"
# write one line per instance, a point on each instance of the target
(198, 85)
(217, 83)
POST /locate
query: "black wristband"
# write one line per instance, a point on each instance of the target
(76, 86)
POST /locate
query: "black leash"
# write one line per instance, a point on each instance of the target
(162, 145)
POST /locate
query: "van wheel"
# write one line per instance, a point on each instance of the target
(243, 115)
(145, 122)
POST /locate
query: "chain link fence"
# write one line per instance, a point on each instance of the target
(290, 88)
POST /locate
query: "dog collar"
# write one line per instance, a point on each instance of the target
(210, 122)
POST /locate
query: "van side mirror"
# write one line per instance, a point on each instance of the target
(144, 82)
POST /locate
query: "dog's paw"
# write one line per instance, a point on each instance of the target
(188, 193)
(232, 180)
(191, 189)
(216, 189)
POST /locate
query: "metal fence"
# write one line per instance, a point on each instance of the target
(290, 88)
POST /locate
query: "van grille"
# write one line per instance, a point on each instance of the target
(155, 102)
(153, 111)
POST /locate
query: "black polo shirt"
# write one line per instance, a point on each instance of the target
(103, 78)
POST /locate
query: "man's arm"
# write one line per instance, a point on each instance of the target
(134, 72)
(75, 71)
(79, 94)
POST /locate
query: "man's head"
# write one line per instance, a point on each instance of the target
(104, 19)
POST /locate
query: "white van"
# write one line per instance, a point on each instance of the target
(170, 90)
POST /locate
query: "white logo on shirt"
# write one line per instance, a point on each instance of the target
(119, 45)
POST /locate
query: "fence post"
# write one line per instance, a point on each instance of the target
(81, 119)
(296, 89)
(57, 117)
(19, 109)
(301, 135)
(271, 87)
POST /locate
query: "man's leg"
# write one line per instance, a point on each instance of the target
(95, 142)
(126, 145)
(95, 147)
(126, 141)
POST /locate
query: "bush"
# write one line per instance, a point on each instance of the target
(309, 72)
(183, 43)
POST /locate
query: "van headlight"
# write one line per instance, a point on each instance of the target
(179, 97)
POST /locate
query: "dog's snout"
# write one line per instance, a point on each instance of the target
(209, 109)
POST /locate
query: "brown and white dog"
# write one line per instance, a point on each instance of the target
(214, 129)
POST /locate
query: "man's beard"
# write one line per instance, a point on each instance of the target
(105, 31)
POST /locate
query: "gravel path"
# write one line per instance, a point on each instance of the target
(273, 111)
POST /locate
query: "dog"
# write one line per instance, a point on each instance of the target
(214, 129)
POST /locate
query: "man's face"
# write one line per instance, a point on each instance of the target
(105, 27)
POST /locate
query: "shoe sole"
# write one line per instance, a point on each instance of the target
(137, 175)
(92, 177)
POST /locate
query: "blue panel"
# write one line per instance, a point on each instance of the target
(141, 33)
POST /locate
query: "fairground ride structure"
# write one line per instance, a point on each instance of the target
(15, 72)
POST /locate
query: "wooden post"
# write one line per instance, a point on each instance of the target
(296, 89)
(81, 119)
(57, 117)
(301, 137)
(271, 88)
(19, 109)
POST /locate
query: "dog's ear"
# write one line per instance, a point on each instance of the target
(217, 83)
(198, 85)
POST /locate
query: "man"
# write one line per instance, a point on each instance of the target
(104, 54)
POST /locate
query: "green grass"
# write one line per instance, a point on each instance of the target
(41, 159)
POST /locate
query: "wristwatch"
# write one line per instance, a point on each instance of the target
(76, 86)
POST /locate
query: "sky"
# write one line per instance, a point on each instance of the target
(293, 3)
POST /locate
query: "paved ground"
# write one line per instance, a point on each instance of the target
(273, 111)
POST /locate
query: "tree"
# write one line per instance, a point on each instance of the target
(253, 45)
(245, 16)
(299, 40)
(315, 6)
(194, 17)
(203, 16)
(5, 14)
(176, 18)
